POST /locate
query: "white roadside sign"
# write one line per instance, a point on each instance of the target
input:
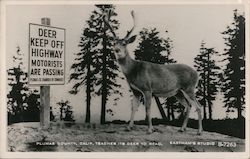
(46, 55)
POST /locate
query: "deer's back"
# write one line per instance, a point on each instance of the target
(161, 78)
(171, 76)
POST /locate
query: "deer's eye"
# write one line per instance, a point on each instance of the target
(117, 50)
(123, 43)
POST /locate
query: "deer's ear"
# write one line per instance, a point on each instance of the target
(131, 39)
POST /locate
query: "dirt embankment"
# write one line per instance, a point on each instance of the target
(115, 138)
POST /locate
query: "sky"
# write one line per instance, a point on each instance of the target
(187, 26)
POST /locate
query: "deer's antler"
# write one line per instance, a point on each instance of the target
(129, 32)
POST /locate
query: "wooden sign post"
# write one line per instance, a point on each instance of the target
(45, 106)
(45, 95)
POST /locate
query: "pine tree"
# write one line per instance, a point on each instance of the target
(32, 111)
(23, 103)
(96, 66)
(86, 58)
(209, 72)
(108, 63)
(234, 73)
(153, 48)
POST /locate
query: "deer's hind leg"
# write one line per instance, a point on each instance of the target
(190, 97)
(198, 109)
(148, 97)
(183, 101)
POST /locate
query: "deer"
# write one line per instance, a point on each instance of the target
(148, 79)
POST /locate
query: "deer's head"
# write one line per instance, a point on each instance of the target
(120, 47)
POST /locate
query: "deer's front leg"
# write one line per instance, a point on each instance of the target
(135, 104)
(148, 98)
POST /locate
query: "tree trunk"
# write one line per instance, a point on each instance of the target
(172, 113)
(208, 87)
(169, 113)
(21, 112)
(88, 98)
(204, 110)
(210, 110)
(61, 112)
(239, 111)
(164, 117)
(204, 95)
(104, 79)
(237, 87)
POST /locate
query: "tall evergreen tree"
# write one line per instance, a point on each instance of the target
(153, 48)
(86, 59)
(95, 65)
(19, 87)
(234, 73)
(23, 103)
(209, 72)
(108, 63)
